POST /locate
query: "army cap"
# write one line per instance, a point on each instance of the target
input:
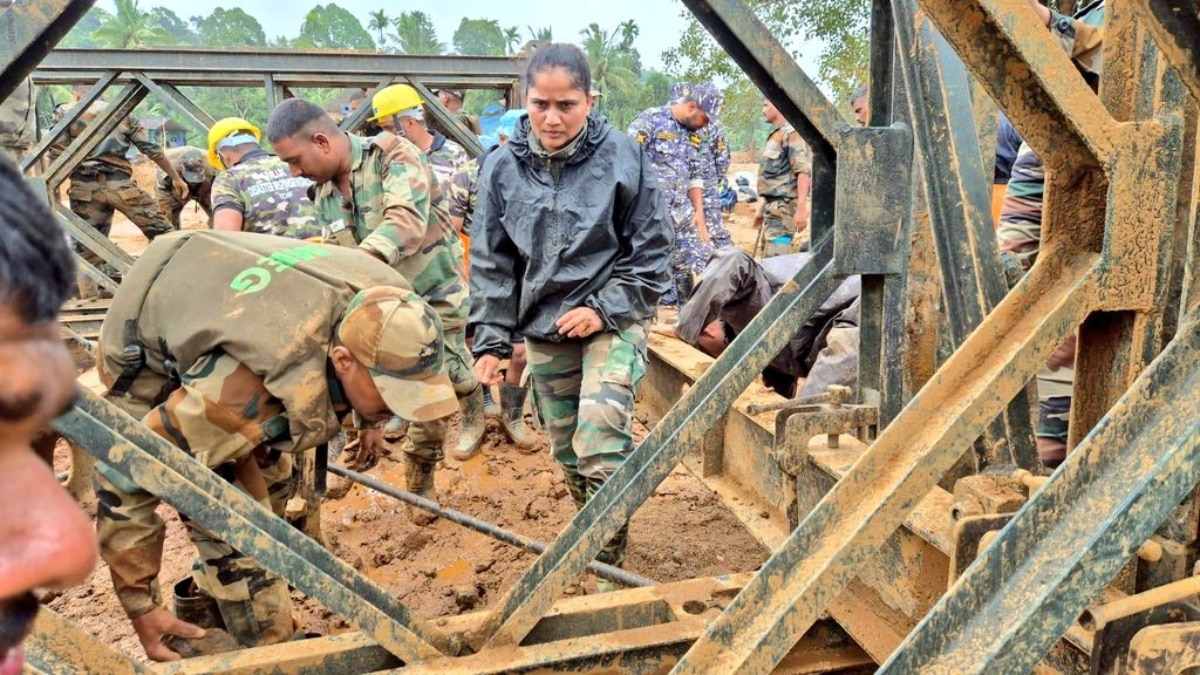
(398, 337)
(191, 166)
(705, 94)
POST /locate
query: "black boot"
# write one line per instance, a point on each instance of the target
(418, 479)
(474, 424)
(512, 417)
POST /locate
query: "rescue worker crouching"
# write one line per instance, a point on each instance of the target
(292, 336)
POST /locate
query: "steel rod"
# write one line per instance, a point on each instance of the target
(483, 527)
(1096, 618)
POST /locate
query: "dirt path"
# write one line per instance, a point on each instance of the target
(682, 531)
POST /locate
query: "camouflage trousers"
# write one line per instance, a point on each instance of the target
(583, 393)
(221, 415)
(777, 222)
(714, 219)
(428, 438)
(172, 207)
(94, 198)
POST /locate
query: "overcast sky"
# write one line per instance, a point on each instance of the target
(661, 21)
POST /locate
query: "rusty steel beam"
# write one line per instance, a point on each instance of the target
(179, 480)
(1175, 25)
(1078, 531)
(59, 646)
(28, 31)
(70, 117)
(959, 198)
(458, 133)
(819, 559)
(167, 65)
(1030, 77)
(94, 134)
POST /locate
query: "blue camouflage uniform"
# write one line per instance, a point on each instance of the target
(714, 163)
(674, 151)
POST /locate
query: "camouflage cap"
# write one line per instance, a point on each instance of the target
(192, 166)
(398, 337)
(705, 94)
(456, 93)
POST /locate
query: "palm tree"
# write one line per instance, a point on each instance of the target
(379, 21)
(130, 28)
(539, 35)
(512, 38)
(610, 56)
(415, 33)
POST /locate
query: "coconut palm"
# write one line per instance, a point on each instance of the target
(512, 38)
(612, 57)
(131, 28)
(415, 34)
(380, 21)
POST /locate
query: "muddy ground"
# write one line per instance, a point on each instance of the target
(683, 531)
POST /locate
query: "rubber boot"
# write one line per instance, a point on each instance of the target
(512, 418)
(474, 424)
(489, 404)
(418, 478)
(195, 607)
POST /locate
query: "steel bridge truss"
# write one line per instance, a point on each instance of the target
(867, 536)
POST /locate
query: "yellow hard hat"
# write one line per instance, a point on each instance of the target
(224, 129)
(393, 99)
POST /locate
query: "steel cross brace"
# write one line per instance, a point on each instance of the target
(449, 122)
(168, 472)
(1174, 25)
(94, 134)
(959, 202)
(173, 98)
(1071, 539)
(70, 117)
(28, 31)
(58, 646)
(354, 120)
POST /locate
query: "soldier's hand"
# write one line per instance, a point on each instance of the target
(180, 188)
(579, 322)
(758, 215)
(487, 370)
(156, 625)
(701, 227)
(800, 221)
(370, 449)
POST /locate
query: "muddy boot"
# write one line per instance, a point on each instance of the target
(418, 477)
(474, 424)
(512, 418)
(490, 408)
(195, 607)
(395, 429)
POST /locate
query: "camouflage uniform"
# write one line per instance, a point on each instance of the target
(193, 167)
(398, 213)
(271, 201)
(784, 156)
(583, 393)
(464, 190)
(714, 165)
(674, 151)
(1020, 230)
(445, 159)
(18, 122)
(230, 381)
(104, 181)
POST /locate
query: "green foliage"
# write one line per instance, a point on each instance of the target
(480, 37)
(842, 28)
(379, 21)
(614, 62)
(130, 28)
(333, 27)
(169, 21)
(80, 36)
(622, 107)
(229, 28)
(415, 34)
